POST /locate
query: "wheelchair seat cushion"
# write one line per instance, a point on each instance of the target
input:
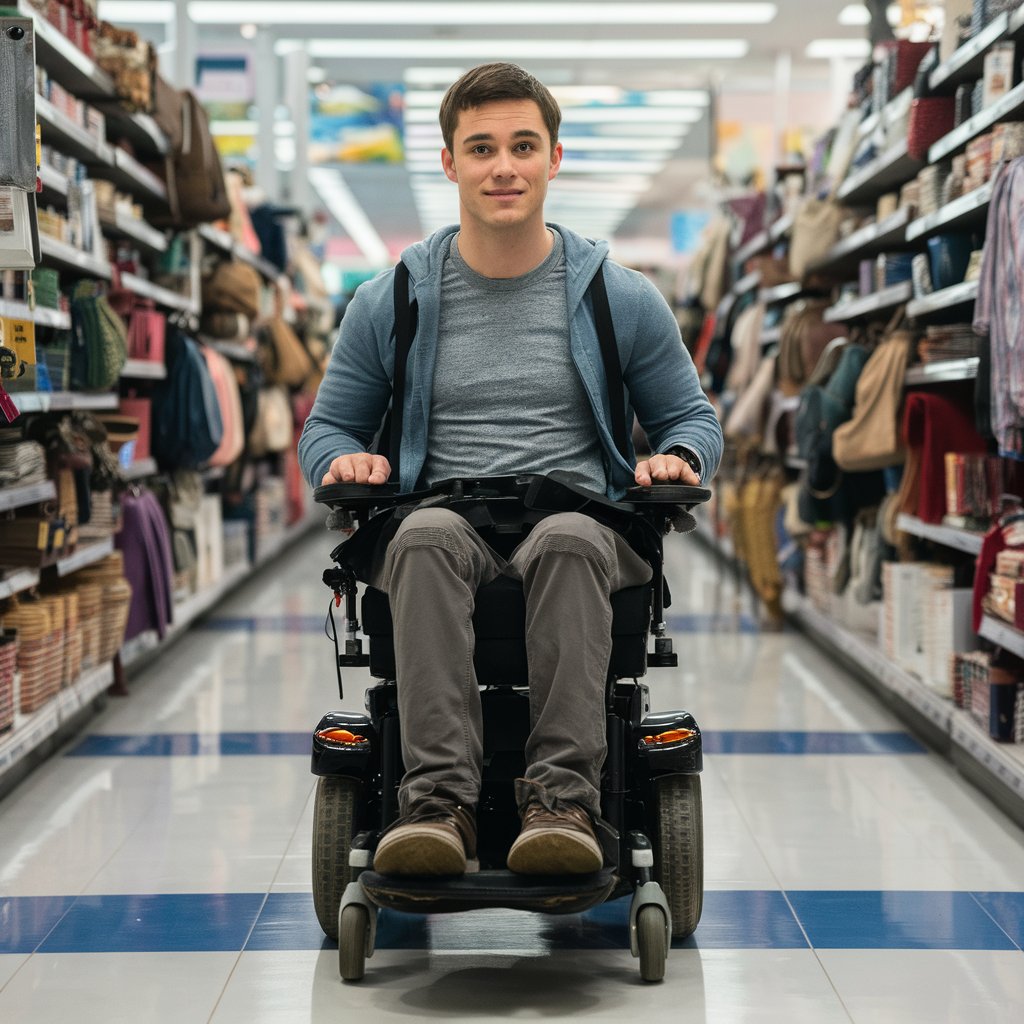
(499, 622)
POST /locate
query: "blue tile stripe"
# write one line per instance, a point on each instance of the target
(732, 919)
(716, 622)
(229, 744)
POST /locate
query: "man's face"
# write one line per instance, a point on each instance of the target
(502, 162)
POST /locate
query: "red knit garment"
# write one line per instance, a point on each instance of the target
(934, 425)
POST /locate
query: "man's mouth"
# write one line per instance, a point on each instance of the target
(505, 192)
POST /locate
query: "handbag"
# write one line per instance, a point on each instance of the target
(100, 339)
(273, 429)
(871, 438)
(805, 335)
(815, 231)
(931, 118)
(282, 355)
(233, 287)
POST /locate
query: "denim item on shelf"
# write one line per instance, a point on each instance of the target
(949, 256)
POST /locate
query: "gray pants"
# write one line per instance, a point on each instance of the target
(569, 565)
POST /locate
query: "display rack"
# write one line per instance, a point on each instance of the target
(1003, 109)
(161, 296)
(140, 469)
(17, 582)
(870, 305)
(892, 168)
(964, 212)
(85, 555)
(42, 316)
(884, 236)
(946, 371)
(143, 369)
(26, 494)
(780, 292)
(1002, 634)
(966, 63)
(67, 257)
(747, 283)
(137, 230)
(224, 242)
(948, 536)
(62, 401)
(941, 301)
(760, 243)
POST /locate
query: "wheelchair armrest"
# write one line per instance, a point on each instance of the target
(668, 494)
(358, 498)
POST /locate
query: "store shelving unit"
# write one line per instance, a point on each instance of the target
(143, 369)
(961, 213)
(60, 401)
(140, 469)
(224, 242)
(137, 230)
(945, 372)
(870, 240)
(1003, 109)
(232, 350)
(948, 536)
(1003, 634)
(886, 172)
(870, 305)
(39, 315)
(161, 296)
(965, 64)
(760, 243)
(55, 185)
(26, 494)
(85, 555)
(941, 301)
(747, 283)
(780, 292)
(17, 582)
(67, 257)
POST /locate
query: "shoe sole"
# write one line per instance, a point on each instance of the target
(553, 852)
(423, 851)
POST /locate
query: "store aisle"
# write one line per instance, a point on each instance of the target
(158, 871)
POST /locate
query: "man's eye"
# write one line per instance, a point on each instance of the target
(524, 147)
(479, 149)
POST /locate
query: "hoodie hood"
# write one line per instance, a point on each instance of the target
(582, 258)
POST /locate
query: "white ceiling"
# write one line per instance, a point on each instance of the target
(383, 192)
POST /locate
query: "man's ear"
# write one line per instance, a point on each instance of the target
(448, 163)
(556, 162)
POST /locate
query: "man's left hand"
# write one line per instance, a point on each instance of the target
(665, 469)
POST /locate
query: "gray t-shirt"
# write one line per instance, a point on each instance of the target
(507, 397)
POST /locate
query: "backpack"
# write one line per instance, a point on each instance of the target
(187, 427)
(99, 340)
(389, 439)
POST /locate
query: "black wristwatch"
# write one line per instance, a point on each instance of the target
(687, 456)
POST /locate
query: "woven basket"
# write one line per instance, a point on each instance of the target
(108, 574)
(8, 664)
(40, 651)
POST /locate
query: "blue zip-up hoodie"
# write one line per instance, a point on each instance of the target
(658, 374)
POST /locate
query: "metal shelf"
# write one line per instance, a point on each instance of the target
(139, 129)
(68, 257)
(33, 730)
(86, 554)
(1002, 634)
(868, 241)
(944, 372)
(869, 305)
(140, 469)
(41, 315)
(225, 243)
(947, 536)
(161, 296)
(966, 63)
(53, 181)
(137, 230)
(957, 139)
(231, 349)
(780, 293)
(938, 302)
(71, 138)
(59, 401)
(265, 267)
(26, 494)
(65, 62)
(758, 244)
(16, 582)
(129, 175)
(893, 167)
(781, 228)
(747, 284)
(771, 335)
(959, 213)
(143, 369)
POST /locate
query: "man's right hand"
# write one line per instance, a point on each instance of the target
(361, 468)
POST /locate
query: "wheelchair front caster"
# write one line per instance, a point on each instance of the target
(353, 937)
(652, 943)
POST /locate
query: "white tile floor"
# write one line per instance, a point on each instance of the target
(176, 887)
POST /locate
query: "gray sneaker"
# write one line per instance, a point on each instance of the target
(558, 842)
(435, 841)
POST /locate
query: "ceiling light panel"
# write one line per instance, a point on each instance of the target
(855, 14)
(829, 49)
(365, 12)
(561, 50)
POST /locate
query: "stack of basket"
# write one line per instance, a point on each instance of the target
(108, 574)
(73, 638)
(8, 664)
(40, 626)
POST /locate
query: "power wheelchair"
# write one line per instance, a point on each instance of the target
(650, 785)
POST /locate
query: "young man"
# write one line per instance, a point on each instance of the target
(505, 377)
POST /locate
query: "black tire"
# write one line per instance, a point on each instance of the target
(353, 930)
(678, 840)
(652, 943)
(334, 821)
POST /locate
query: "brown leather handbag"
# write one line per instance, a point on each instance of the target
(871, 438)
(815, 231)
(282, 355)
(233, 287)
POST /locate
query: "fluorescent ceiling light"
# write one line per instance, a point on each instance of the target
(827, 49)
(338, 198)
(224, 12)
(855, 14)
(155, 12)
(562, 50)
(281, 128)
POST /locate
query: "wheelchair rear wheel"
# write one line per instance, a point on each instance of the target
(678, 840)
(334, 821)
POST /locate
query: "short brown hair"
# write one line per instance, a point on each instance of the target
(490, 82)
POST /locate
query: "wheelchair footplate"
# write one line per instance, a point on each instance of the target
(548, 894)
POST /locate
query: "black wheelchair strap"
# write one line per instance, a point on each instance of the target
(407, 320)
(610, 357)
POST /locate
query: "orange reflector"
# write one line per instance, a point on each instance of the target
(342, 736)
(672, 736)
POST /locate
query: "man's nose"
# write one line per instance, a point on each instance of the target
(503, 164)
